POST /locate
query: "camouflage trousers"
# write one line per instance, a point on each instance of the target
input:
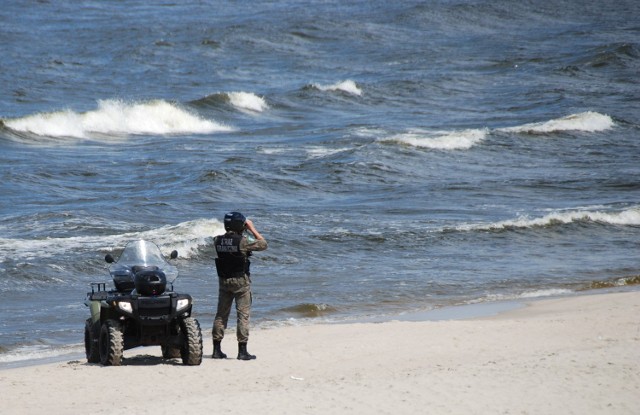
(230, 289)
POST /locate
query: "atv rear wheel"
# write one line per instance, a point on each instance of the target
(191, 350)
(111, 343)
(91, 338)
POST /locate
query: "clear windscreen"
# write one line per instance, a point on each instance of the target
(146, 254)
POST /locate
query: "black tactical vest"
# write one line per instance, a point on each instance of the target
(231, 262)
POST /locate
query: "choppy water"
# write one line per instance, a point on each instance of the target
(398, 156)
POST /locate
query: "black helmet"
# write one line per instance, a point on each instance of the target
(234, 221)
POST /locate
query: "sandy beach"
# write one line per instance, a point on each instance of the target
(574, 355)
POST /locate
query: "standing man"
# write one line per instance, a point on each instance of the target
(232, 264)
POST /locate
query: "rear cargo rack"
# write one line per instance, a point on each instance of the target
(98, 287)
(98, 291)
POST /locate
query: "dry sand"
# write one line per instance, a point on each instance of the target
(575, 355)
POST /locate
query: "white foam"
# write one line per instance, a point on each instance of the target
(440, 140)
(117, 118)
(247, 101)
(347, 86)
(319, 152)
(585, 121)
(185, 237)
(465, 139)
(273, 150)
(627, 217)
(545, 293)
(39, 352)
(550, 292)
(369, 132)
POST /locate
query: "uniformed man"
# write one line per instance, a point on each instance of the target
(232, 264)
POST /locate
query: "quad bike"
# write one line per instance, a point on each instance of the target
(142, 310)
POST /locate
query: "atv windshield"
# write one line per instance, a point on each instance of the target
(144, 254)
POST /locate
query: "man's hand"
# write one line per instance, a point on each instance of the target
(252, 229)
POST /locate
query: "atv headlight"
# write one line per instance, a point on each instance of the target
(182, 303)
(125, 306)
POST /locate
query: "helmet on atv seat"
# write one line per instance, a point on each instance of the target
(234, 221)
(123, 280)
(149, 280)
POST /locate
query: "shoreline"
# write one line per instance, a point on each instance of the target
(575, 354)
(452, 312)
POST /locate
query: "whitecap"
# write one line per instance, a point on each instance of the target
(440, 140)
(185, 237)
(347, 86)
(585, 121)
(247, 101)
(319, 152)
(114, 119)
(627, 217)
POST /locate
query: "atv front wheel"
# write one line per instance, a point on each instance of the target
(111, 343)
(191, 350)
(91, 338)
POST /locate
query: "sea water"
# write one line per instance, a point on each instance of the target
(399, 157)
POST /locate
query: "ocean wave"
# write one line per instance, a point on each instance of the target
(307, 310)
(243, 101)
(628, 217)
(530, 294)
(466, 139)
(248, 101)
(319, 152)
(115, 119)
(615, 282)
(550, 292)
(618, 55)
(347, 86)
(440, 140)
(585, 121)
(36, 352)
(186, 238)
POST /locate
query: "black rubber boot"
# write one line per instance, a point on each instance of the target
(243, 354)
(217, 352)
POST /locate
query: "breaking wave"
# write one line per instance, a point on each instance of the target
(38, 353)
(116, 118)
(465, 139)
(243, 101)
(440, 140)
(347, 86)
(248, 101)
(585, 121)
(615, 282)
(628, 217)
(186, 238)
